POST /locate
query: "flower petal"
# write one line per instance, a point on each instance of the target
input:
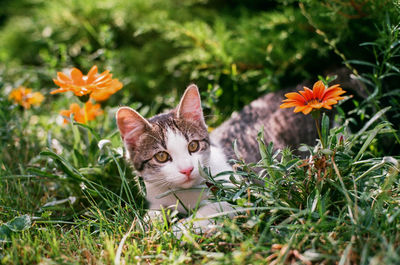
(334, 86)
(92, 74)
(316, 105)
(102, 85)
(288, 105)
(333, 89)
(318, 89)
(77, 77)
(330, 101)
(307, 110)
(295, 96)
(307, 94)
(60, 90)
(300, 108)
(117, 85)
(103, 76)
(60, 84)
(63, 77)
(333, 93)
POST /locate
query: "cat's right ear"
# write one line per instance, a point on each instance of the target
(189, 107)
(131, 125)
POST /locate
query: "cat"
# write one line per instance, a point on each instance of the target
(167, 151)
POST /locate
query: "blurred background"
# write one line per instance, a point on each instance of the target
(234, 50)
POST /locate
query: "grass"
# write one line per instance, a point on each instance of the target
(67, 196)
(85, 205)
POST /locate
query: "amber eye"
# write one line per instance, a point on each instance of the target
(162, 157)
(193, 146)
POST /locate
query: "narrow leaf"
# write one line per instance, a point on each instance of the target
(325, 129)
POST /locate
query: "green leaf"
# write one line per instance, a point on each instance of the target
(41, 173)
(5, 233)
(361, 63)
(76, 134)
(261, 144)
(369, 44)
(94, 133)
(371, 136)
(202, 171)
(235, 149)
(392, 67)
(91, 171)
(303, 148)
(79, 158)
(370, 122)
(327, 151)
(394, 92)
(65, 166)
(20, 223)
(239, 193)
(325, 129)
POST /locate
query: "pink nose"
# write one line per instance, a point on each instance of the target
(187, 171)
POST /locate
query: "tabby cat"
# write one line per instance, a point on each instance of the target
(167, 150)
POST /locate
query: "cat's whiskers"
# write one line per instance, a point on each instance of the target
(162, 182)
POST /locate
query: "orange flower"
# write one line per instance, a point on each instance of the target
(82, 115)
(101, 86)
(25, 97)
(308, 100)
(104, 94)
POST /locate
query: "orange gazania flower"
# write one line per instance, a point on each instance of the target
(105, 93)
(100, 86)
(25, 97)
(82, 115)
(308, 100)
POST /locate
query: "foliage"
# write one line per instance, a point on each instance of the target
(159, 47)
(371, 55)
(68, 196)
(345, 24)
(344, 195)
(381, 77)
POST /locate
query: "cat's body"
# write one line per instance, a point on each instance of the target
(167, 151)
(281, 127)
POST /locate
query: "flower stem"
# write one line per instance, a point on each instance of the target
(319, 132)
(85, 111)
(316, 115)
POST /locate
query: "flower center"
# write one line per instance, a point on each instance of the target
(313, 101)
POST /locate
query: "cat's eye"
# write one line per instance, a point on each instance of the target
(162, 157)
(193, 146)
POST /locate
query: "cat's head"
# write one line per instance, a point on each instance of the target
(167, 148)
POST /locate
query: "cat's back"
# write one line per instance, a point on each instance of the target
(281, 126)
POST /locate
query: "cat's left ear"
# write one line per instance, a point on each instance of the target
(189, 107)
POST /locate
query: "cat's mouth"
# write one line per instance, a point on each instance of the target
(188, 182)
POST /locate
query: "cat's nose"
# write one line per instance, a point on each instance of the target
(187, 171)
